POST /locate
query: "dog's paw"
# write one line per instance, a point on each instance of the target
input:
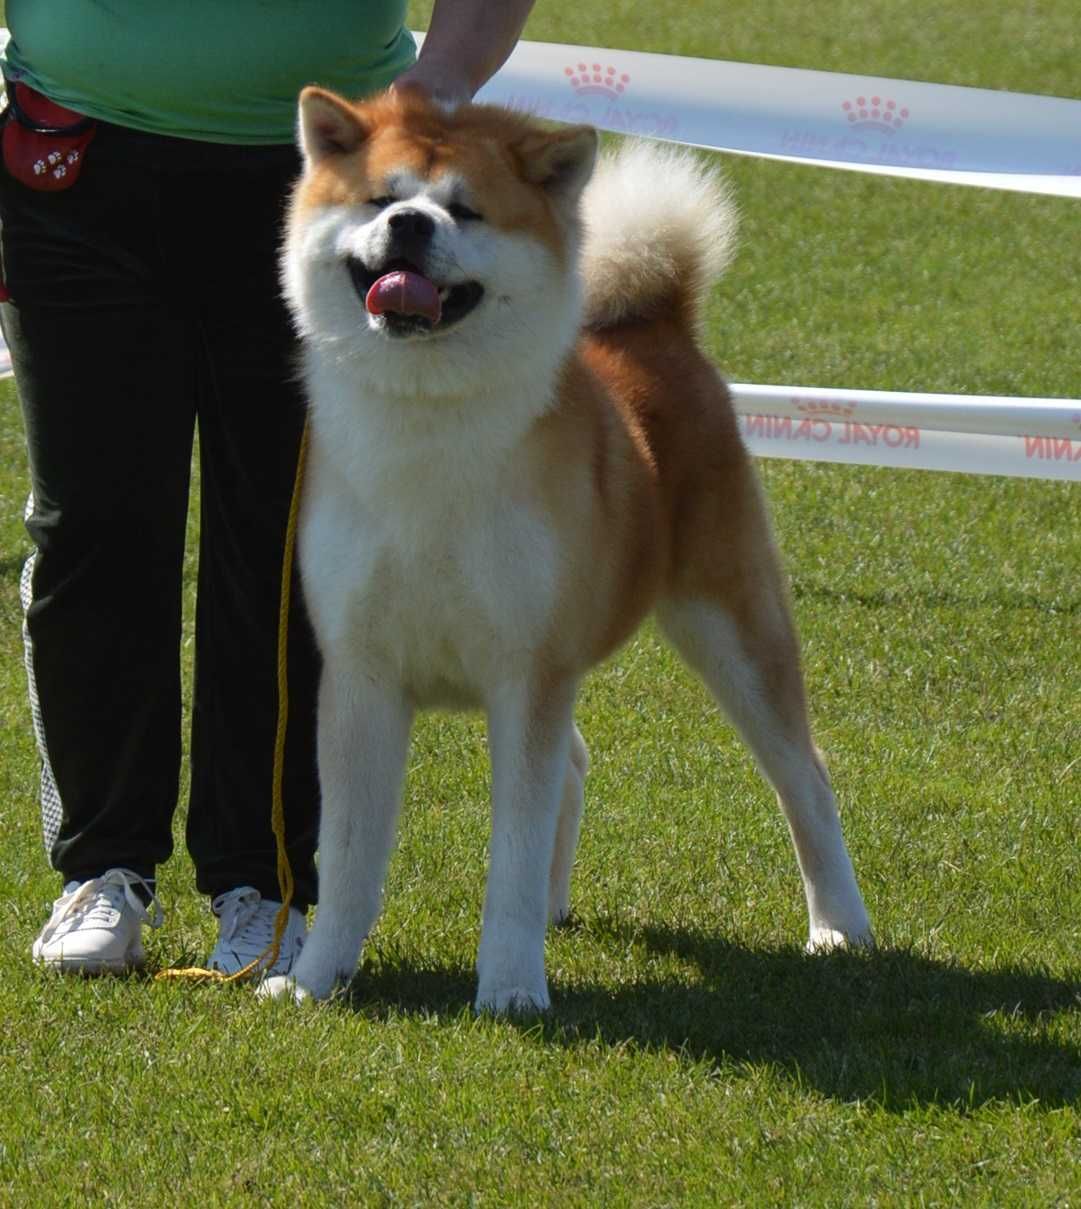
(512, 1001)
(828, 940)
(282, 986)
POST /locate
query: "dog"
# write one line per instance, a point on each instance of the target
(517, 451)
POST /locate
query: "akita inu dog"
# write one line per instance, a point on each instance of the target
(518, 450)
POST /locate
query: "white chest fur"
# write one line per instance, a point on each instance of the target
(422, 560)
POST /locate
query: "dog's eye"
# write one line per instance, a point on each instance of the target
(380, 203)
(463, 213)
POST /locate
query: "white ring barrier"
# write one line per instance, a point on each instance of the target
(934, 132)
(914, 448)
(987, 414)
(1029, 438)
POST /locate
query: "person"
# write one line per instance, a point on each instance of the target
(147, 154)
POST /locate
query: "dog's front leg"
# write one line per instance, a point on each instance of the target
(529, 734)
(363, 737)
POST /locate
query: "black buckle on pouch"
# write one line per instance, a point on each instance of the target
(16, 111)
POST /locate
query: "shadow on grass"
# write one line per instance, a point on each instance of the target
(890, 1027)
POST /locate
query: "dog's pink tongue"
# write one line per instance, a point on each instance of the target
(404, 293)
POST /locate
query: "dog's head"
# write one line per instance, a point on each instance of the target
(430, 247)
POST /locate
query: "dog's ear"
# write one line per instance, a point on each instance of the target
(328, 125)
(560, 161)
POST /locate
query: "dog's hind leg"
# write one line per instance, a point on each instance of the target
(530, 737)
(570, 819)
(752, 667)
(363, 737)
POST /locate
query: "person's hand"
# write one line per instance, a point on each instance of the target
(466, 44)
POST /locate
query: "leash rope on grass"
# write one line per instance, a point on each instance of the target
(269, 956)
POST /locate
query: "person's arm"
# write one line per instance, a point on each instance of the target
(466, 44)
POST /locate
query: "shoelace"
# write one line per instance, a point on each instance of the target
(243, 925)
(95, 901)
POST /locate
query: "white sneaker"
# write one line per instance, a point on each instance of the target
(246, 930)
(96, 925)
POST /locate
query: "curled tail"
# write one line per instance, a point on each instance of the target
(660, 228)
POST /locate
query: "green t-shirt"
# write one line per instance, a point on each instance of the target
(224, 71)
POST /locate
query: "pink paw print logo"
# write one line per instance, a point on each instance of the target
(594, 79)
(875, 113)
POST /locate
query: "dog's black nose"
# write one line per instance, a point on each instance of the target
(411, 233)
(411, 224)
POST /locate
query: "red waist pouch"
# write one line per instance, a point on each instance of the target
(43, 143)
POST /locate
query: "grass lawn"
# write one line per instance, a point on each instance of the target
(693, 1055)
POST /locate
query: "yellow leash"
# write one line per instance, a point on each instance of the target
(277, 810)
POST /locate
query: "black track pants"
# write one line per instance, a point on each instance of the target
(144, 301)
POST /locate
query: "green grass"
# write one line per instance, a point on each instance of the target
(693, 1054)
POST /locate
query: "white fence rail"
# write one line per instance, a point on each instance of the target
(1030, 438)
(936, 132)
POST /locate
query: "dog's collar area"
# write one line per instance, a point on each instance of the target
(456, 300)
